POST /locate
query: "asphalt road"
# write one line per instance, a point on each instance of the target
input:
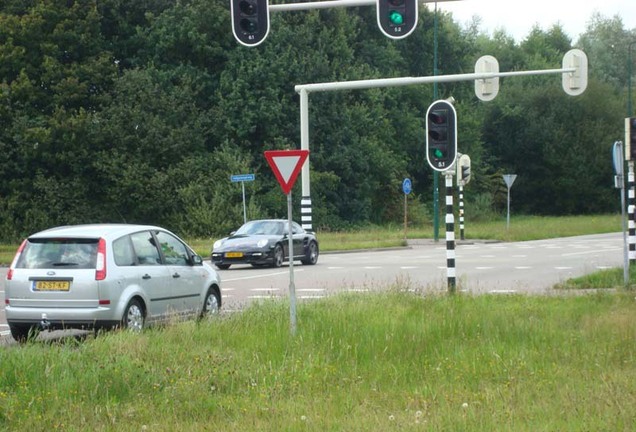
(482, 267)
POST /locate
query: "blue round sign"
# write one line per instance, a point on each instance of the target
(406, 186)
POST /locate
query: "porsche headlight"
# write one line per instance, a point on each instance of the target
(262, 243)
(217, 244)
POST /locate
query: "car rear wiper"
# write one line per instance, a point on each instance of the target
(65, 264)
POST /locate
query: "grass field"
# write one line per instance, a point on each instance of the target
(389, 361)
(395, 361)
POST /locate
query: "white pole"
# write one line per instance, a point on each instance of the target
(244, 207)
(292, 286)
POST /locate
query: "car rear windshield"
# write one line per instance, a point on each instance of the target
(44, 253)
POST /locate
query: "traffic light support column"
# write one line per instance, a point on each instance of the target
(461, 211)
(305, 201)
(450, 235)
(630, 212)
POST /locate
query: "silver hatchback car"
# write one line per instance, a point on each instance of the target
(105, 276)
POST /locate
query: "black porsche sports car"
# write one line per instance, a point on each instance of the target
(265, 243)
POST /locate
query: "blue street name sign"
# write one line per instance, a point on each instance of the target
(242, 178)
(406, 186)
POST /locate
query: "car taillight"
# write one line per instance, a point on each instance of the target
(100, 267)
(15, 260)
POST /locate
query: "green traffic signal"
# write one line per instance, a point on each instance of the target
(396, 18)
(438, 153)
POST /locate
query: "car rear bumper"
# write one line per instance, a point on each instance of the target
(61, 318)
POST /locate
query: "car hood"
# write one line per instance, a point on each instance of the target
(243, 242)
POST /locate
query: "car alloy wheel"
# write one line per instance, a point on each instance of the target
(279, 256)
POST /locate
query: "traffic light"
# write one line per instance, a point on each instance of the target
(630, 138)
(463, 170)
(441, 135)
(250, 21)
(397, 18)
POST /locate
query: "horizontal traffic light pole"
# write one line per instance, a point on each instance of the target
(332, 4)
(405, 81)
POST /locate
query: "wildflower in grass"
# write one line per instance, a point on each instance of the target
(465, 405)
(303, 418)
(391, 417)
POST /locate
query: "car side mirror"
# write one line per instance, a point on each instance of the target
(197, 260)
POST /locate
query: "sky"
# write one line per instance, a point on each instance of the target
(518, 17)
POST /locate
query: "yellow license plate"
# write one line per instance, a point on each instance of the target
(51, 285)
(234, 255)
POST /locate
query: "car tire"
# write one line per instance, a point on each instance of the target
(133, 318)
(279, 256)
(311, 257)
(223, 266)
(23, 334)
(211, 304)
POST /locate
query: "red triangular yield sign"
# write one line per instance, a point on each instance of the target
(286, 165)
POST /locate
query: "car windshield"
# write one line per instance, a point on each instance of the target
(52, 253)
(261, 228)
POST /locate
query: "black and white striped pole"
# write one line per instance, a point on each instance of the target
(630, 155)
(450, 234)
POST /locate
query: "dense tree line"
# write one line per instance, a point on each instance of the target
(139, 111)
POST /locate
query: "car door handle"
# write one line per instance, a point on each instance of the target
(176, 275)
(146, 276)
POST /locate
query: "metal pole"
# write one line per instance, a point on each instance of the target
(508, 214)
(405, 217)
(625, 252)
(450, 235)
(290, 253)
(630, 211)
(461, 210)
(629, 78)
(305, 202)
(244, 207)
(435, 173)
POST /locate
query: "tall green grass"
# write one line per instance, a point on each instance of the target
(390, 361)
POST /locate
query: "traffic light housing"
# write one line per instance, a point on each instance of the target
(397, 18)
(630, 138)
(250, 21)
(441, 135)
(463, 169)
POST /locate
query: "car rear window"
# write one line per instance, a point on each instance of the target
(44, 253)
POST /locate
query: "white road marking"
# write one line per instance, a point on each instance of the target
(372, 268)
(311, 290)
(264, 289)
(523, 268)
(334, 268)
(502, 291)
(563, 268)
(484, 268)
(260, 275)
(591, 251)
(408, 267)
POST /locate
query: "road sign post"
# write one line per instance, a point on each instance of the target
(509, 179)
(286, 165)
(406, 188)
(243, 178)
(619, 183)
